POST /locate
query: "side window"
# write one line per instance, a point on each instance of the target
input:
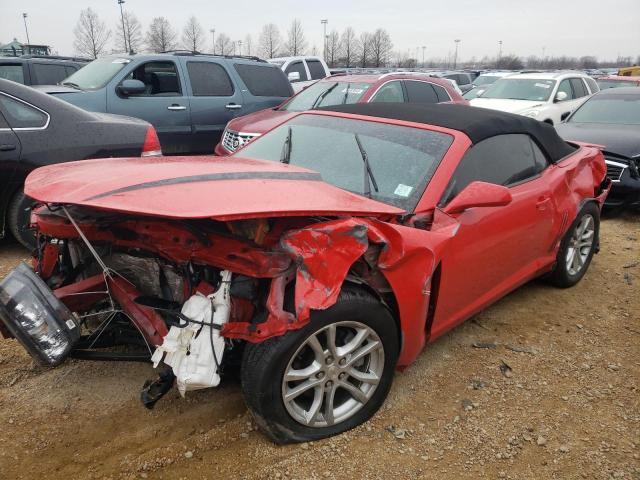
(316, 69)
(21, 115)
(48, 73)
(209, 80)
(3, 122)
(389, 92)
(579, 89)
(12, 72)
(502, 160)
(70, 70)
(160, 78)
(420, 92)
(264, 80)
(539, 158)
(443, 95)
(297, 67)
(565, 87)
(593, 86)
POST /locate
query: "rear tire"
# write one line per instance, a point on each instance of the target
(357, 322)
(18, 217)
(577, 248)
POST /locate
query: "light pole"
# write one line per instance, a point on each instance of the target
(423, 50)
(24, 17)
(213, 39)
(240, 46)
(455, 57)
(324, 22)
(499, 53)
(124, 32)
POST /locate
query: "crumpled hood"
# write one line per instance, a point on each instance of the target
(619, 139)
(223, 188)
(505, 105)
(261, 121)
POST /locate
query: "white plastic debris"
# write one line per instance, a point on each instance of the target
(188, 351)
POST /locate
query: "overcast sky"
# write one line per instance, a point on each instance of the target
(604, 28)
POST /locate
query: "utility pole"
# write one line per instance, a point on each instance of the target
(423, 49)
(24, 17)
(455, 57)
(213, 39)
(124, 32)
(324, 23)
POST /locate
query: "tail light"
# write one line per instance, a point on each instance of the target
(151, 147)
(33, 314)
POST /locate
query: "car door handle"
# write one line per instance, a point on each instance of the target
(176, 108)
(233, 106)
(542, 202)
(7, 147)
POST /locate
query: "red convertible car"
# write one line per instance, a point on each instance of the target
(320, 257)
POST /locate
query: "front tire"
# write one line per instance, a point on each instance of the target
(577, 248)
(18, 217)
(326, 378)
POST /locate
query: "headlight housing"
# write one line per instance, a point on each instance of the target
(531, 113)
(32, 313)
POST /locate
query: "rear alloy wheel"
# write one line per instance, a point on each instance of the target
(577, 248)
(327, 377)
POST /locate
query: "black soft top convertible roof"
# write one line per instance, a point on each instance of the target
(477, 123)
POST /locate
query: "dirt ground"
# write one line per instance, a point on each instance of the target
(570, 407)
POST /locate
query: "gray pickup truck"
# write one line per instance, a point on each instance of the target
(187, 97)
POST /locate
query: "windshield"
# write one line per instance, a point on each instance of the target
(521, 89)
(618, 109)
(401, 160)
(604, 84)
(485, 80)
(96, 74)
(326, 94)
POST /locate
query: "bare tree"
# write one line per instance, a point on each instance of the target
(296, 43)
(363, 49)
(380, 47)
(132, 33)
(224, 45)
(160, 37)
(269, 41)
(334, 48)
(510, 62)
(349, 44)
(192, 35)
(91, 34)
(248, 43)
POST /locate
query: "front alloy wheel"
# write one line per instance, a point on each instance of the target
(333, 374)
(326, 378)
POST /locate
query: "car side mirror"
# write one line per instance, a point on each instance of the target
(561, 96)
(479, 194)
(294, 76)
(131, 87)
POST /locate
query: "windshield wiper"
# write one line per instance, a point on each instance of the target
(322, 95)
(346, 94)
(72, 85)
(285, 155)
(368, 174)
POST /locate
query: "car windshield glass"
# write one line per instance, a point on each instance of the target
(485, 80)
(618, 109)
(401, 159)
(604, 84)
(532, 89)
(96, 74)
(12, 72)
(326, 94)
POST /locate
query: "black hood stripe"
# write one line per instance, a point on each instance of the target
(213, 177)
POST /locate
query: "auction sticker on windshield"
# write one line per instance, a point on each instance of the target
(403, 190)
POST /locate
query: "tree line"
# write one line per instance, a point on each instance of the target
(341, 49)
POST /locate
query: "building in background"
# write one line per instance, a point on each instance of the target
(15, 49)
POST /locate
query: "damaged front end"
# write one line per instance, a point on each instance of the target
(185, 294)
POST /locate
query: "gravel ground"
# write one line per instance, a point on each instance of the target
(564, 405)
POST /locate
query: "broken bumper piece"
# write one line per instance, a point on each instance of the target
(32, 314)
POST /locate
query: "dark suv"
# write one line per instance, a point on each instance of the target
(39, 70)
(187, 97)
